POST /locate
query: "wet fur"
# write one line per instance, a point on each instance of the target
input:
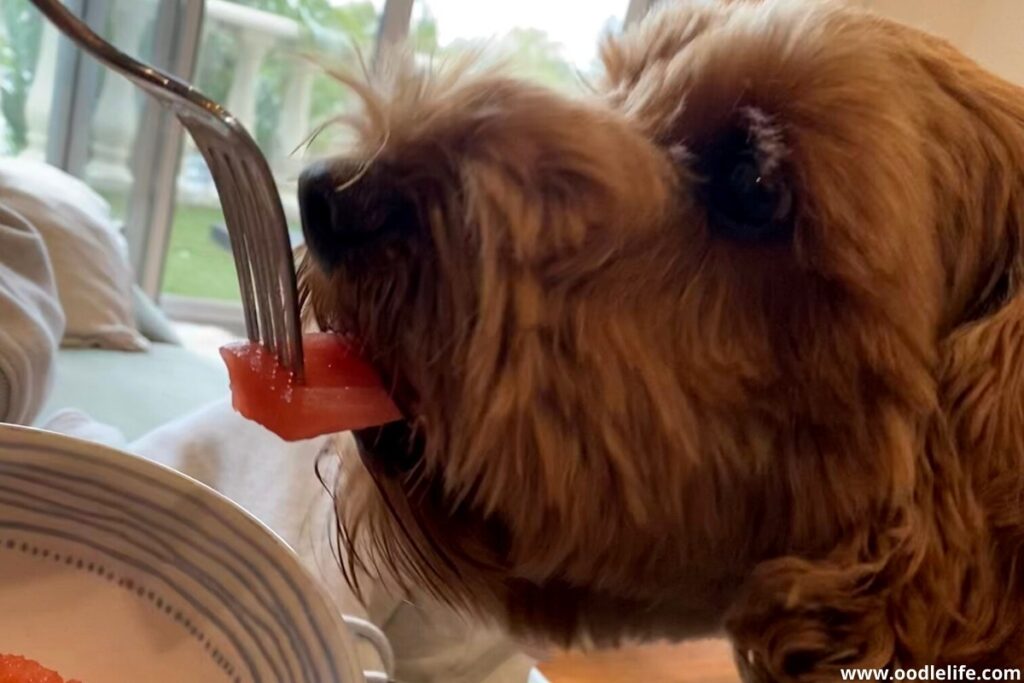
(631, 429)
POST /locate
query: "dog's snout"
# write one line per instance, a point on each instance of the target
(347, 207)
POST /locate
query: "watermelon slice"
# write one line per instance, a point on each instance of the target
(15, 669)
(340, 391)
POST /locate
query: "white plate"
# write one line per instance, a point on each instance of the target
(115, 569)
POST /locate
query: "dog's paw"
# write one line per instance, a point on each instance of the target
(795, 665)
(801, 622)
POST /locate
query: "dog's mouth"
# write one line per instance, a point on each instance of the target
(393, 449)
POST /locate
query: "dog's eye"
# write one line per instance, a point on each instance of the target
(745, 193)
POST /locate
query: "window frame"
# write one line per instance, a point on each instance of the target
(395, 20)
(150, 208)
(60, 128)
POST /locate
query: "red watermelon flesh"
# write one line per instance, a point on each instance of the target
(340, 391)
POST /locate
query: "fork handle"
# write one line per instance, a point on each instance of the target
(152, 79)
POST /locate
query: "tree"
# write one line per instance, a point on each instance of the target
(530, 52)
(539, 58)
(423, 34)
(19, 49)
(337, 35)
(339, 32)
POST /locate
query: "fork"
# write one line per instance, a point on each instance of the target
(252, 206)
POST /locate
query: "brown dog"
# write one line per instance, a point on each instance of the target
(738, 345)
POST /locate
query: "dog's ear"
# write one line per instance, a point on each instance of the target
(980, 190)
(982, 374)
(981, 378)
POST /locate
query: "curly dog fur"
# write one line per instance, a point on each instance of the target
(622, 424)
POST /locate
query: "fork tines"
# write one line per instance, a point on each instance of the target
(259, 241)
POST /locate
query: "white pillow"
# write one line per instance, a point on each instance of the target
(88, 253)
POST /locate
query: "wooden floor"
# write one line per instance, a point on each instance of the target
(708, 661)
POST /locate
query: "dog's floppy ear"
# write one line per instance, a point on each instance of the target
(982, 374)
(980, 189)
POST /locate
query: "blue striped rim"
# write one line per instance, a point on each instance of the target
(239, 528)
(137, 504)
(63, 510)
(215, 541)
(150, 570)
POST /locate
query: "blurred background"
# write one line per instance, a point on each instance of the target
(264, 59)
(259, 57)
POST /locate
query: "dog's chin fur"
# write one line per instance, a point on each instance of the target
(622, 425)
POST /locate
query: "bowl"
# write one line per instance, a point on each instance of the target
(114, 568)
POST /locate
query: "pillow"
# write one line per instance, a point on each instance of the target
(151, 321)
(31, 320)
(88, 253)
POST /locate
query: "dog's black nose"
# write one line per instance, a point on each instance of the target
(347, 207)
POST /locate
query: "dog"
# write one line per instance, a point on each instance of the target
(736, 343)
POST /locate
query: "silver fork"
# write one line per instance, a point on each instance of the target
(252, 206)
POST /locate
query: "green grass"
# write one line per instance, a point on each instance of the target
(196, 265)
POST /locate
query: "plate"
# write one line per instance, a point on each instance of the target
(116, 569)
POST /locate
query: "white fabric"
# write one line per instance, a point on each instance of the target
(276, 482)
(272, 479)
(31, 321)
(73, 422)
(87, 252)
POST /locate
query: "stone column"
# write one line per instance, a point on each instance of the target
(116, 117)
(292, 130)
(252, 50)
(40, 96)
(4, 147)
(294, 124)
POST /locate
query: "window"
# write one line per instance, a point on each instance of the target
(20, 64)
(255, 58)
(35, 60)
(554, 43)
(252, 55)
